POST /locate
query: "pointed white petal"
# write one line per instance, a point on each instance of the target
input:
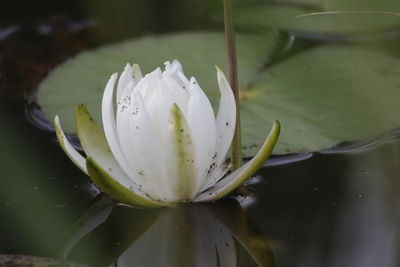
(177, 90)
(124, 110)
(235, 179)
(149, 85)
(137, 73)
(159, 111)
(226, 121)
(142, 148)
(125, 78)
(182, 78)
(201, 120)
(74, 155)
(173, 67)
(174, 71)
(148, 150)
(109, 123)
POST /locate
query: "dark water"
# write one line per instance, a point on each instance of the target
(335, 208)
(328, 210)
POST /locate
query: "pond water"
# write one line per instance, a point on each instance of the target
(338, 207)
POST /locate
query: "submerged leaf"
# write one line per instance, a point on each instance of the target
(33, 261)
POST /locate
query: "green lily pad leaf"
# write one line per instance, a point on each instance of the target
(333, 17)
(322, 97)
(82, 79)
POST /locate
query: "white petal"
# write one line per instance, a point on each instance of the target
(158, 109)
(175, 66)
(110, 126)
(74, 155)
(183, 78)
(226, 120)
(201, 120)
(149, 85)
(149, 152)
(166, 116)
(142, 148)
(178, 91)
(175, 71)
(136, 73)
(125, 78)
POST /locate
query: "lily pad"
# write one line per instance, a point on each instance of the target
(327, 18)
(82, 79)
(322, 97)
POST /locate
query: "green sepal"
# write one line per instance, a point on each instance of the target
(238, 177)
(115, 190)
(94, 142)
(66, 146)
(183, 153)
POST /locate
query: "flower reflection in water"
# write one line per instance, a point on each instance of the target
(221, 234)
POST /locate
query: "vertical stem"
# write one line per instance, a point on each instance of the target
(237, 159)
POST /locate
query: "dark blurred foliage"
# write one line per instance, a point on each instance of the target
(31, 50)
(35, 36)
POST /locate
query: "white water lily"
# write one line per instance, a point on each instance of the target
(163, 144)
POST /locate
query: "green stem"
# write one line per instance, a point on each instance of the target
(237, 159)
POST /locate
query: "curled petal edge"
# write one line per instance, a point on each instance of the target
(235, 179)
(71, 152)
(117, 191)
